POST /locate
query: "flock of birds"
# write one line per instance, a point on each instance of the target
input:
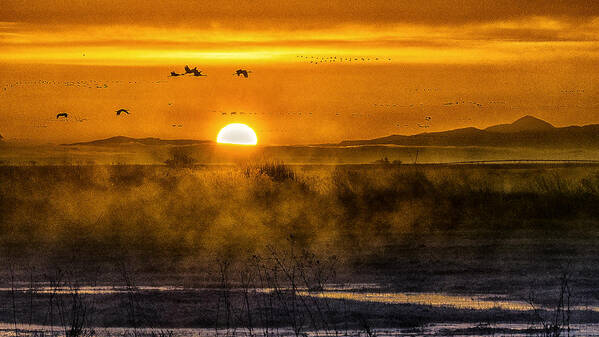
(194, 72)
(65, 115)
(462, 103)
(91, 84)
(425, 123)
(198, 73)
(339, 59)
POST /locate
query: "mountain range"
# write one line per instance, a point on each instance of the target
(122, 140)
(527, 131)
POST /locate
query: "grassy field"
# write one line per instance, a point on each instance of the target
(511, 230)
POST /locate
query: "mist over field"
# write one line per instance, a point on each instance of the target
(210, 232)
(212, 154)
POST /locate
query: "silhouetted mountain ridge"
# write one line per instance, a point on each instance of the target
(527, 131)
(122, 140)
(526, 123)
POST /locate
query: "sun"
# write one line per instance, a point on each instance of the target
(237, 133)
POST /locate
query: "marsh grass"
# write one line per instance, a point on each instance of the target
(256, 296)
(555, 322)
(175, 214)
(278, 172)
(180, 157)
(285, 227)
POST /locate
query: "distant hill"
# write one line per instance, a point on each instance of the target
(527, 131)
(526, 123)
(121, 140)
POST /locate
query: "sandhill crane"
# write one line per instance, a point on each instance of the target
(188, 70)
(197, 72)
(243, 72)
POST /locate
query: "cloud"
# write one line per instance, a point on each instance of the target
(293, 14)
(432, 31)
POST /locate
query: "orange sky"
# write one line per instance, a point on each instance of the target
(513, 57)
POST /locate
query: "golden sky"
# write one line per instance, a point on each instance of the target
(159, 32)
(537, 57)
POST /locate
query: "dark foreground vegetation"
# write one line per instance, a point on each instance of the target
(361, 214)
(514, 231)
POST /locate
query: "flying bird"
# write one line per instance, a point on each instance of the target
(198, 72)
(175, 74)
(243, 72)
(190, 71)
(62, 114)
(120, 111)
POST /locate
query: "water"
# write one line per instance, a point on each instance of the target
(353, 292)
(442, 329)
(361, 292)
(473, 302)
(103, 290)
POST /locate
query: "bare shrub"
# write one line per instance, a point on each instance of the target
(180, 157)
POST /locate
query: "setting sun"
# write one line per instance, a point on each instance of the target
(237, 133)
